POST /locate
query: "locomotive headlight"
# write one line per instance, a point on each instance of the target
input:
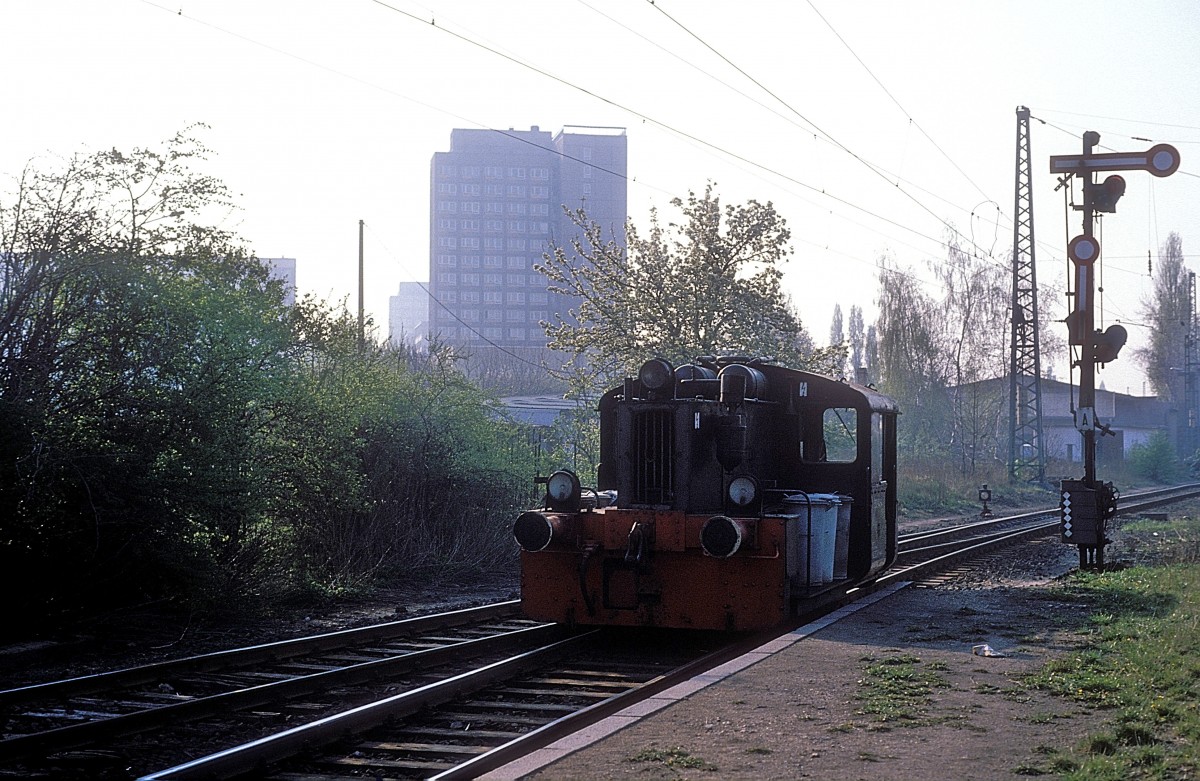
(742, 491)
(722, 537)
(656, 374)
(563, 490)
(533, 531)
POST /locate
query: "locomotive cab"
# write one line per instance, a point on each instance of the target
(729, 491)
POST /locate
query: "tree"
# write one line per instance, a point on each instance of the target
(871, 351)
(910, 368)
(1169, 314)
(709, 284)
(170, 429)
(857, 337)
(837, 335)
(974, 307)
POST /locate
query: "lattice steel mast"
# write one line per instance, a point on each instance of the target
(1026, 459)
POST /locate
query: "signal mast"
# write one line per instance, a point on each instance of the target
(1087, 504)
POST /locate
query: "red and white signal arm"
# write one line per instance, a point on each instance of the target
(1159, 160)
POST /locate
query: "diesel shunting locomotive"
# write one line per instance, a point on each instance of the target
(729, 491)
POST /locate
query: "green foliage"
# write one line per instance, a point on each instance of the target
(169, 429)
(674, 757)
(1155, 459)
(1138, 662)
(710, 284)
(897, 689)
(934, 351)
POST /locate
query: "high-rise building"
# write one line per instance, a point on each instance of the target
(496, 204)
(283, 269)
(407, 311)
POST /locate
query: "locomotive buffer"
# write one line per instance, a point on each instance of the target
(1087, 504)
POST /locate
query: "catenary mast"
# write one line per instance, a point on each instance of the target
(1026, 458)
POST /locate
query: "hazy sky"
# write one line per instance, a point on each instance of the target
(324, 112)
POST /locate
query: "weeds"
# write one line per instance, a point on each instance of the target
(1138, 659)
(673, 757)
(897, 689)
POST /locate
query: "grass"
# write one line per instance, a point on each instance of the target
(674, 758)
(896, 689)
(1139, 661)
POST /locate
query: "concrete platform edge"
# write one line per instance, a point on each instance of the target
(618, 721)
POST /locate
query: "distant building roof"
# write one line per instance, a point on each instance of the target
(537, 410)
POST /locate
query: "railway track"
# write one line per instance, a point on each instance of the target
(275, 682)
(947, 545)
(529, 685)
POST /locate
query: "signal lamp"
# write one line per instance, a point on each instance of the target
(1104, 196)
(1109, 343)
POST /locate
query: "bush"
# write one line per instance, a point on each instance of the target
(1155, 459)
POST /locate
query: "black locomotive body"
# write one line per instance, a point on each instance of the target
(729, 491)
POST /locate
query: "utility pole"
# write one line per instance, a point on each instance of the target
(1026, 459)
(362, 331)
(1191, 394)
(1087, 504)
